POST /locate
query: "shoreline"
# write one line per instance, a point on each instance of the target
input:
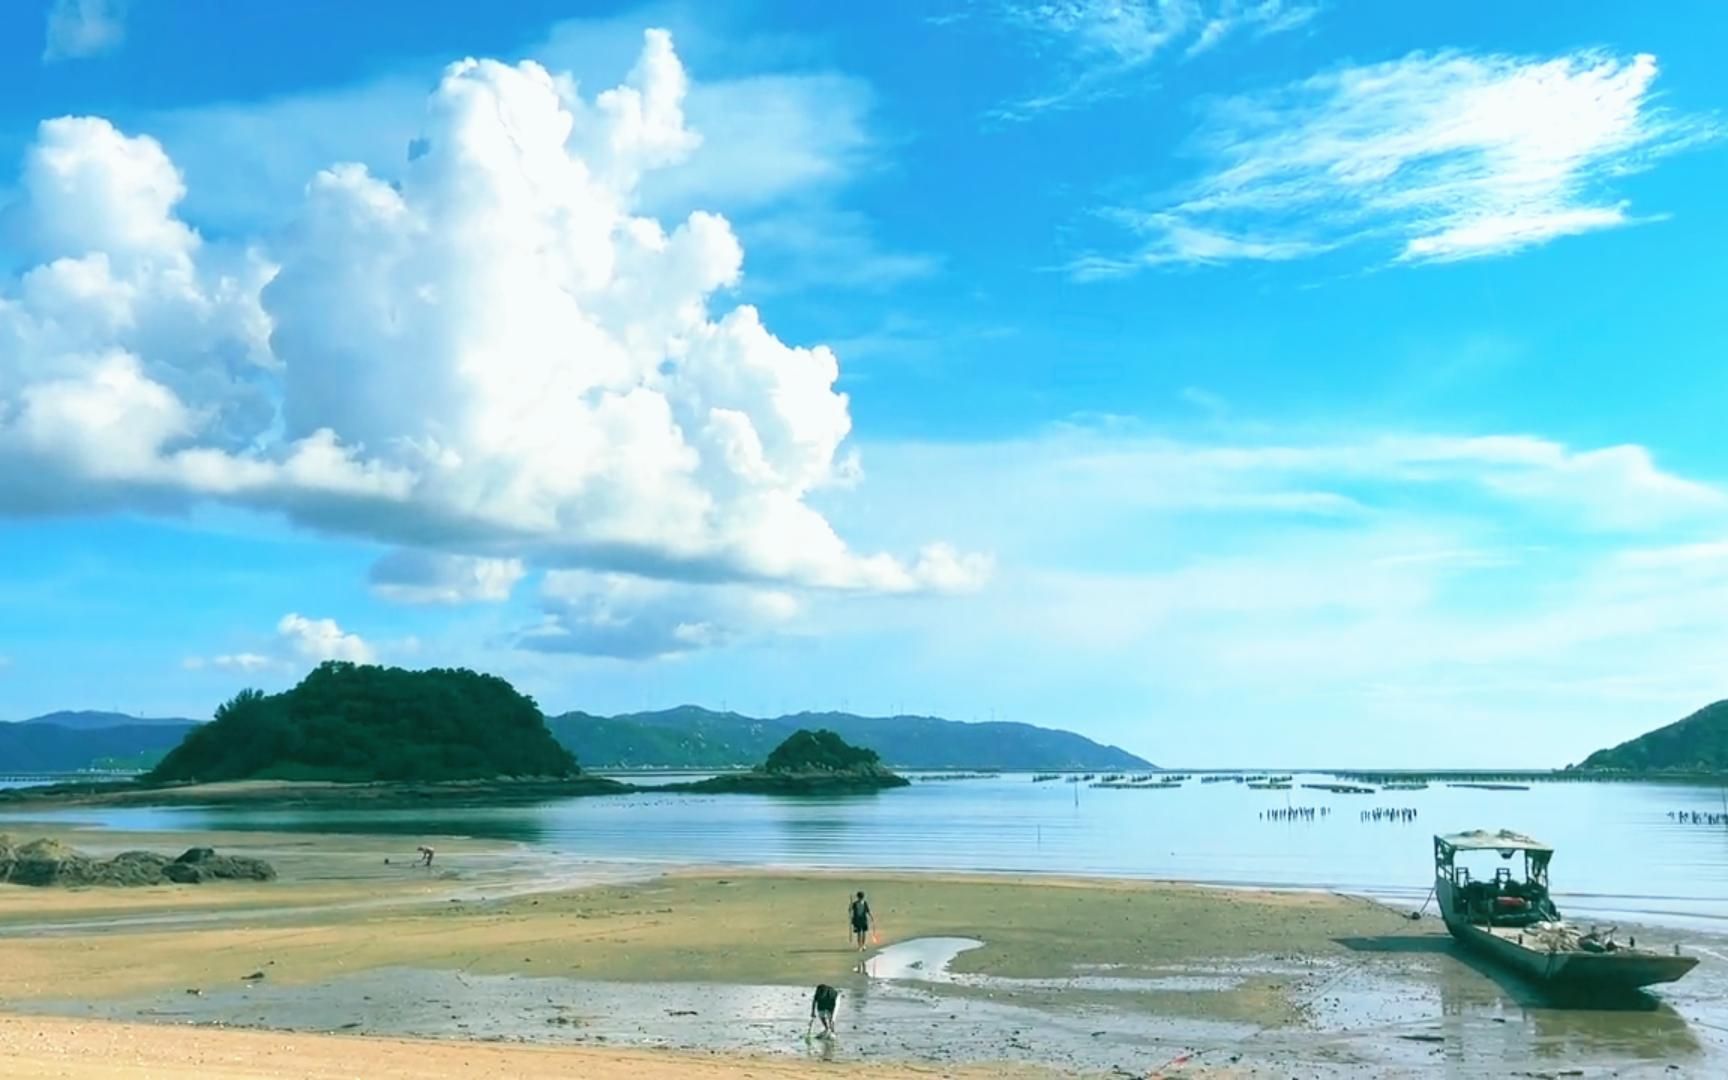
(397, 794)
(290, 794)
(662, 961)
(1663, 913)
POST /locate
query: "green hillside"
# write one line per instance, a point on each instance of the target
(698, 739)
(690, 737)
(30, 746)
(362, 722)
(1698, 743)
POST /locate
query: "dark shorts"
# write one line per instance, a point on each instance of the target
(860, 925)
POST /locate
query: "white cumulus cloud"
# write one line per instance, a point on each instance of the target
(413, 576)
(1432, 157)
(634, 618)
(299, 642)
(242, 662)
(491, 353)
(80, 28)
(318, 640)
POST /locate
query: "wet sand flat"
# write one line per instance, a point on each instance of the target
(36, 1048)
(749, 929)
(1092, 977)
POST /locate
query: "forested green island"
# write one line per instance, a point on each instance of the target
(360, 722)
(807, 763)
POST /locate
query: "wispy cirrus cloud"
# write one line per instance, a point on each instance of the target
(1618, 489)
(1502, 583)
(1099, 43)
(84, 28)
(1235, 17)
(1432, 157)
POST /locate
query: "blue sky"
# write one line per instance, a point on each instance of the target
(1302, 382)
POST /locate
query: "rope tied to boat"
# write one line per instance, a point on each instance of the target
(1417, 914)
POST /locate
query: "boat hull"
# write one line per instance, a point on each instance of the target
(1623, 970)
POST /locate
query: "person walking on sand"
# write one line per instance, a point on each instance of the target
(860, 913)
(822, 1007)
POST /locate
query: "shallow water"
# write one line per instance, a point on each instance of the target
(1618, 854)
(928, 960)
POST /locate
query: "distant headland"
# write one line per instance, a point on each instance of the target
(1696, 744)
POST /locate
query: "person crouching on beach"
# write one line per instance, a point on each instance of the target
(425, 855)
(822, 1007)
(860, 912)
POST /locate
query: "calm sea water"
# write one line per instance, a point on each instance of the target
(1619, 855)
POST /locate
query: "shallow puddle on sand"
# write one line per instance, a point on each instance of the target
(920, 959)
(929, 960)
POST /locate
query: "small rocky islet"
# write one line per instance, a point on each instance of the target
(806, 763)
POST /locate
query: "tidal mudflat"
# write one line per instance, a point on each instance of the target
(1066, 975)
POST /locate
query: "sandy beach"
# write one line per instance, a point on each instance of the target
(499, 962)
(37, 1048)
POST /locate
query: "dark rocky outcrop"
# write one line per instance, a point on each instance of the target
(202, 864)
(44, 863)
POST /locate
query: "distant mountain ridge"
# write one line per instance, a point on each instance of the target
(1697, 743)
(32, 747)
(692, 737)
(686, 737)
(94, 720)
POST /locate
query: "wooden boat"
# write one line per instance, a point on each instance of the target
(1515, 923)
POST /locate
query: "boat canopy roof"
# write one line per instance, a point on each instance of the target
(1483, 840)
